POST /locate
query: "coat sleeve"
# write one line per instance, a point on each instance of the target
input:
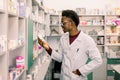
(57, 55)
(95, 56)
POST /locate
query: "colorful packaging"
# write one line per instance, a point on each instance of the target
(20, 62)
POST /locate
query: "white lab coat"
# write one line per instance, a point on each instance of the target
(74, 56)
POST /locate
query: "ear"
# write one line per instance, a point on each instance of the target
(73, 23)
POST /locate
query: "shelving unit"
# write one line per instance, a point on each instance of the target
(106, 36)
(93, 25)
(38, 59)
(16, 39)
(12, 39)
(55, 27)
(54, 32)
(3, 41)
(116, 68)
(112, 45)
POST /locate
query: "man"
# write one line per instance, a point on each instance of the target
(75, 49)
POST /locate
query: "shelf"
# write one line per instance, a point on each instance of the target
(21, 17)
(112, 34)
(116, 68)
(109, 25)
(2, 53)
(100, 45)
(112, 15)
(113, 60)
(2, 11)
(96, 35)
(113, 44)
(54, 15)
(17, 47)
(54, 25)
(10, 14)
(19, 75)
(37, 2)
(91, 15)
(90, 25)
(43, 69)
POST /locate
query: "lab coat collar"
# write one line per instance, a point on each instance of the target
(79, 38)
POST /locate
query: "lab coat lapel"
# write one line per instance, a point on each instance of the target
(75, 48)
(66, 41)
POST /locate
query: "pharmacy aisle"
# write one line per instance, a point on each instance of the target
(22, 21)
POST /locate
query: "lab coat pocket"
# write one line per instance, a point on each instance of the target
(77, 77)
(74, 76)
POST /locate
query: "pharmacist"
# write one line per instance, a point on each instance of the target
(75, 49)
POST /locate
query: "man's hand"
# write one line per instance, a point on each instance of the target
(77, 72)
(43, 44)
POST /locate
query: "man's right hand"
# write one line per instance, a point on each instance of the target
(43, 44)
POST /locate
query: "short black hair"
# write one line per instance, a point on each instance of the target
(72, 15)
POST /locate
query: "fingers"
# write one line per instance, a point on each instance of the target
(40, 42)
(43, 44)
(39, 39)
(77, 72)
(74, 72)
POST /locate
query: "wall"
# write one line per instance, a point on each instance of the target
(72, 4)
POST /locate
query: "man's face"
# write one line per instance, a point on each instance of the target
(66, 24)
